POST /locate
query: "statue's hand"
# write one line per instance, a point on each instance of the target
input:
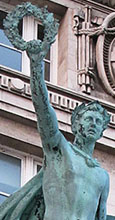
(37, 50)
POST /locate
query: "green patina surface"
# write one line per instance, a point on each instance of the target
(71, 185)
(110, 217)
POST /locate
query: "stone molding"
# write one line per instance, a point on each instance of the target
(60, 101)
(15, 84)
(110, 3)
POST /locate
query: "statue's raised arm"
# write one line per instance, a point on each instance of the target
(46, 117)
(36, 51)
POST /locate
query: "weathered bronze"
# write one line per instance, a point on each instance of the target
(71, 185)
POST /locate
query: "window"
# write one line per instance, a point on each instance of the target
(10, 175)
(9, 56)
(33, 29)
(37, 166)
(17, 60)
(16, 168)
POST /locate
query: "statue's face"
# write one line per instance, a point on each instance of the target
(91, 124)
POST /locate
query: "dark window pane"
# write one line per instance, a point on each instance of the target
(10, 173)
(2, 17)
(10, 58)
(46, 65)
(48, 55)
(20, 27)
(40, 33)
(47, 71)
(38, 168)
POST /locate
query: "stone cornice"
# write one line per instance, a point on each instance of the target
(102, 3)
(96, 5)
(61, 98)
(10, 74)
(110, 3)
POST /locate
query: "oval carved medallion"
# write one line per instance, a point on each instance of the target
(105, 54)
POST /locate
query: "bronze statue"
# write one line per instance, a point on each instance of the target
(71, 185)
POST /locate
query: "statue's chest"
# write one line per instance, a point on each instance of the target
(76, 169)
(79, 170)
(72, 170)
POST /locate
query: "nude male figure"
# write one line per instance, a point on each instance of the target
(75, 187)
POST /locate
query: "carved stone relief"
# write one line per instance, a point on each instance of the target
(112, 60)
(105, 54)
(85, 71)
(15, 84)
(95, 43)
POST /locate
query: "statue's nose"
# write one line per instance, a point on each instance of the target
(93, 123)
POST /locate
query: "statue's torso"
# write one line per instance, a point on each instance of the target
(71, 188)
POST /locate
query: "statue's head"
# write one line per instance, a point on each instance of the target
(89, 120)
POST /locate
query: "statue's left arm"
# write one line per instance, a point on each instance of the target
(103, 200)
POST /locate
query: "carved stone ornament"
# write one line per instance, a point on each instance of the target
(27, 9)
(82, 26)
(105, 54)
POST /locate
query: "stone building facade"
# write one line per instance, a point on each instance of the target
(80, 67)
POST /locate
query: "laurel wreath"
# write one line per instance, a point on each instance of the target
(12, 20)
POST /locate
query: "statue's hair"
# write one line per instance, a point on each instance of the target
(91, 106)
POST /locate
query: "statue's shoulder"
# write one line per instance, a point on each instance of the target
(105, 173)
(104, 176)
